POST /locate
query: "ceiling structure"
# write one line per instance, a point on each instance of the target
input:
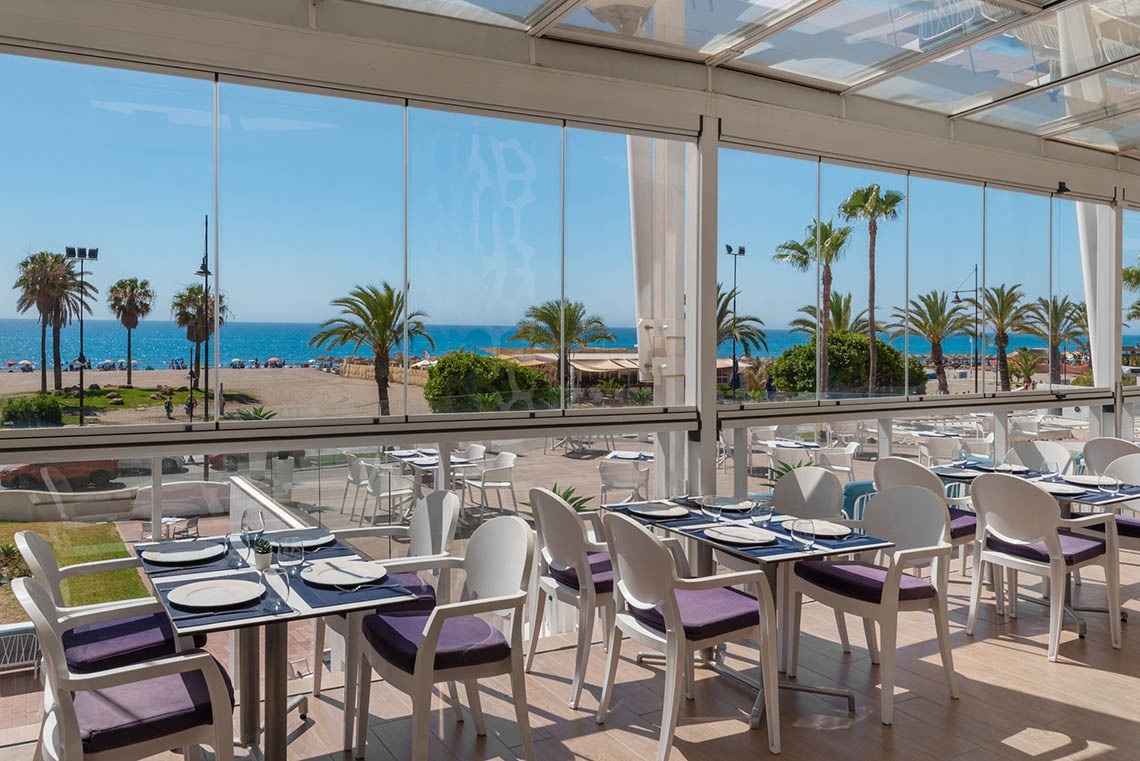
(1065, 71)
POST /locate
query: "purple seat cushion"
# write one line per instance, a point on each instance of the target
(601, 569)
(862, 581)
(121, 642)
(706, 613)
(962, 523)
(423, 590)
(1126, 525)
(1075, 548)
(463, 641)
(131, 713)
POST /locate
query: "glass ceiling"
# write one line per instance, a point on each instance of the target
(1068, 72)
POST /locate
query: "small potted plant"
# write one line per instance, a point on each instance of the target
(262, 554)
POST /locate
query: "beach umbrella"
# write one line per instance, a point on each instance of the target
(10, 362)
(24, 362)
(274, 359)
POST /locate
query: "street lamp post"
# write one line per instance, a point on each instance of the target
(84, 255)
(976, 338)
(204, 272)
(739, 252)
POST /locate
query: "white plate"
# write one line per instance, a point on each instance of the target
(215, 593)
(184, 552)
(424, 462)
(627, 455)
(956, 472)
(430, 450)
(826, 529)
(659, 510)
(1060, 489)
(1087, 480)
(1005, 467)
(344, 573)
(730, 504)
(740, 535)
(309, 537)
(404, 452)
(789, 445)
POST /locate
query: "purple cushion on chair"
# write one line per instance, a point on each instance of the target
(131, 713)
(962, 523)
(463, 641)
(862, 581)
(121, 642)
(601, 569)
(423, 590)
(1126, 525)
(1075, 548)
(706, 613)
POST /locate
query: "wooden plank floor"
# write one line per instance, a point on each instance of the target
(1014, 704)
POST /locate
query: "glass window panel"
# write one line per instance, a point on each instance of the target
(509, 13)
(1121, 133)
(485, 247)
(1091, 97)
(1130, 298)
(1066, 330)
(767, 206)
(855, 40)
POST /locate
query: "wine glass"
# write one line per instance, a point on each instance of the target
(252, 527)
(803, 532)
(1049, 470)
(291, 554)
(711, 508)
(1109, 484)
(276, 602)
(761, 512)
(233, 559)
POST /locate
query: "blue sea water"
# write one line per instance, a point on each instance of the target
(156, 343)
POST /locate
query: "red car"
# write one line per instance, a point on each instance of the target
(79, 475)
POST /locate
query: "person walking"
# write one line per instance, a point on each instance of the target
(191, 403)
(168, 407)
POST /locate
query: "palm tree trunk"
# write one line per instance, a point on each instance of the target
(824, 329)
(128, 356)
(380, 370)
(873, 349)
(197, 364)
(1001, 340)
(939, 361)
(57, 363)
(1054, 363)
(43, 357)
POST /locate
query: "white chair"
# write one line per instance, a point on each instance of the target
(1020, 529)
(356, 479)
(839, 460)
(413, 651)
(781, 459)
(843, 432)
(1040, 455)
(624, 475)
(655, 608)
(429, 534)
(937, 450)
(980, 447)
(571, 569)
(1099, 452)
(132, 711)
(915, 519)
(498, 477)
(388, 483)
(473, 454)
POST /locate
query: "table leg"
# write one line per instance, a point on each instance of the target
(351, 671)
(276, 678)
(249, 679)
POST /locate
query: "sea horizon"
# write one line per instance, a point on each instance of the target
(157, 342)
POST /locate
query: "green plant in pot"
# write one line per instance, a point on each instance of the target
(576, 501)
(262, 554)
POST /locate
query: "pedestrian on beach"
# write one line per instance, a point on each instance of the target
(168, 407)
(191, 403)
(770, 388)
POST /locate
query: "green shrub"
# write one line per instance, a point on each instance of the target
(38, 410)
(641, 397)
(1086, 379)
(848, 362)
(463, 381)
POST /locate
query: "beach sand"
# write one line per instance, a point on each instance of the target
(291, 392)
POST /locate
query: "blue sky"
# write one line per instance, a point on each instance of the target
(312, 203)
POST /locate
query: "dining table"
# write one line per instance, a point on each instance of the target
(424, 461)
(208, 585)
(772, 548)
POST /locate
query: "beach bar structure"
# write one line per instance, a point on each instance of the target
(537, 163)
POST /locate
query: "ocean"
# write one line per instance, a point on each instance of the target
(157, 342)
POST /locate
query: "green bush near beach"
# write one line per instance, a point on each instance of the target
(466, 382)
(33, 411)
(1086, 379)
(848, 360)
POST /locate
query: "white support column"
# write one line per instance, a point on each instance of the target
(701, 363)
(886, 430)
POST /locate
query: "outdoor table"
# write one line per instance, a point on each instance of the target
(305, 601)
(423, 461)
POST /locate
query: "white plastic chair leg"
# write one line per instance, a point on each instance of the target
(611, 674)
(872, 642)
(887, 657)
(475, 706)
(535, 627)
(793, 654)
(1056, 619)
(1011, 587)
(674, 677)
(1112, 588)
(421, 720)
(942, 625)
(841, 625)
(319, 655)
(582, 659)
(522, 708)
(975, 593)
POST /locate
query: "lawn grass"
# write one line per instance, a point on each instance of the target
(77, 543)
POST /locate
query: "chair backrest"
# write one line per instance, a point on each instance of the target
(357, 473)
(620, 474)
(36, 600)
(1126, 468)
(942, 448)
(384, 480)
(892, 472)
(809, 492)
(643, 566)
(41, 560)
(1101, 451)
(561, 533)
(500, 555)
(792, 456)
(836, 457)
(505, 460)
(910, 516)
(1040, 455)
(474, 452)
(1016, 510)
(433, 524)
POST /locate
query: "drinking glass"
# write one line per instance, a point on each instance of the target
(710, 508)
(252, 527)
(761, 512)
(233, 558)
(291, 554)
(1109, 484)
(276, 602)
(1049, 470)
(803, 532)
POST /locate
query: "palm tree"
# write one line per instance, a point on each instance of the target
(543, 326)
(840, 321)
(823, 244)
(49, 282)
(744, 329)
(193, 309)
(1004, 314)
(130, 300)
(1023, 364)
(374, 318)
(934, 317)
(871, 204)
(1055, 321)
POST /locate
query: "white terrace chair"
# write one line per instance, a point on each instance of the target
(839, 460)
(623, 476)
(356, 479)
(133, 711)
(655, 608)
(498, 477)
(915, 519)
(571, 569)
(1040, 455)
(782, 458)
(1021, 529)
(430, 534)
(1099, 452)
(388, 483)
(474, 454)
(938, 450)
(415, 650)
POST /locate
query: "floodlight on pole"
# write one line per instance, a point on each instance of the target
(739, 252)
(975, 339)
(84, 255)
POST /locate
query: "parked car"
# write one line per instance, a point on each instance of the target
(79, 475)
(232, 462)
(140, 466)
